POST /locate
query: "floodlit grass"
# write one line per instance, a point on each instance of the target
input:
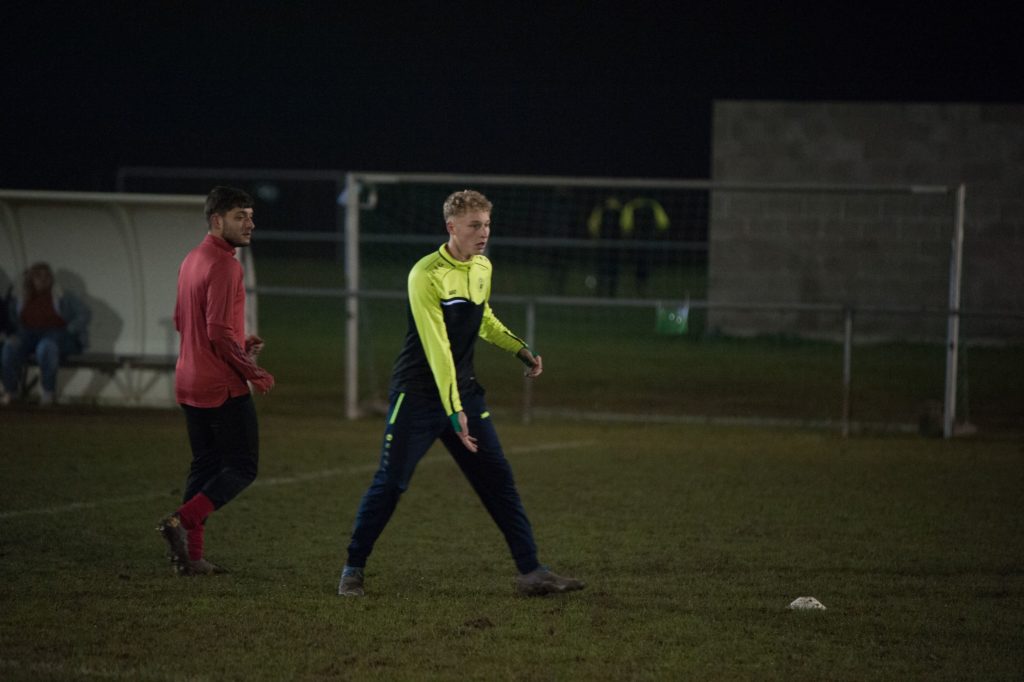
(693, 541)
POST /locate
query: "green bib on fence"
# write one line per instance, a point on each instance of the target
(672, 320)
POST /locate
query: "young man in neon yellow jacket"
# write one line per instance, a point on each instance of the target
(435, 394)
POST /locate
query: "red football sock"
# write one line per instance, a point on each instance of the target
(195, 511)
(195, 542)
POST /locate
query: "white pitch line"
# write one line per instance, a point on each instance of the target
(107, 672)
(77, 506)
(278, 480)
(568, 445)
(314, 475)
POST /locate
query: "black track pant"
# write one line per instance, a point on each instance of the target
(225, 449)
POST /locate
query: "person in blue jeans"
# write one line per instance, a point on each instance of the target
(49, 323)
(435, 395)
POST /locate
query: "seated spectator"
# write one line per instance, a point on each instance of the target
(49, 323)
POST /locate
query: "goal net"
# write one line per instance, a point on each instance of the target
(676, 300)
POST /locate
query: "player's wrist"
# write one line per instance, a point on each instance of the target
(526, 356)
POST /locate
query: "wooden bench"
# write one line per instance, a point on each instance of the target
(112, 362)
(122, 368)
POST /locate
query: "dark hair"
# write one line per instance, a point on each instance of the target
(223, 199)
(28, 281)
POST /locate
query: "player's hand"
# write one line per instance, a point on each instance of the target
(534, 364)
(467, 440)
(263, 383)
(253, 347)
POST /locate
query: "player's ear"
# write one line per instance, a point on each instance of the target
(450, 227)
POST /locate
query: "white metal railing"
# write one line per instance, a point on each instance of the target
(347, 234)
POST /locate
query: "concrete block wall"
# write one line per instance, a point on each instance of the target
(866, 249)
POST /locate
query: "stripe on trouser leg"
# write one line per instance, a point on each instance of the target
(394, 412)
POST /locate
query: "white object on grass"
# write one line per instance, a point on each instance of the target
(806, 603)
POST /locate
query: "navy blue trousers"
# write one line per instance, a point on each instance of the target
(412, 425)
(225, 449)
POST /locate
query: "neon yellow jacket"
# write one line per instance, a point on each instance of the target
(448, 310)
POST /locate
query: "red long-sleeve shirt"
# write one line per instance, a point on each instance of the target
(210, 317)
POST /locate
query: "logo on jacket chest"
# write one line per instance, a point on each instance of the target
(472, 285)
(477, 280)
(477, 286)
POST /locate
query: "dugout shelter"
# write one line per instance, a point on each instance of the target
(120, 254)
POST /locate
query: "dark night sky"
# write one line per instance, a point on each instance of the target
(620, 89)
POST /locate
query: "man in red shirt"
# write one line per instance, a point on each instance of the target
(215, 362)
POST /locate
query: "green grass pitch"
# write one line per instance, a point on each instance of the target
(693, 541)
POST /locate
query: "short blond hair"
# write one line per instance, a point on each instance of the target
(465, 201)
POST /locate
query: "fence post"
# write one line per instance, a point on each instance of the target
(847, 361)
(953, 329)
(351, 297)
(531, 331)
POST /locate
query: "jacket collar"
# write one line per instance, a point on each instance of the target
(443, 250)
(219, 243)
